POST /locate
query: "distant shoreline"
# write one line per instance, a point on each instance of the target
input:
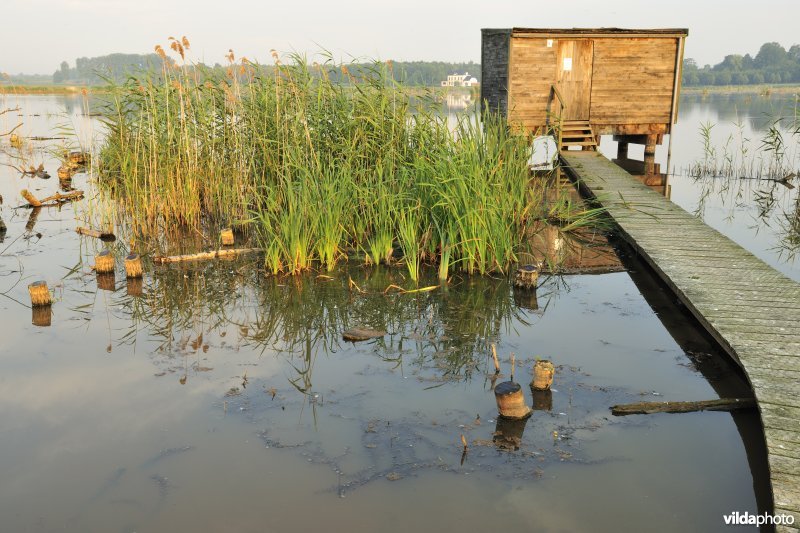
(789, 88)
(48, 89)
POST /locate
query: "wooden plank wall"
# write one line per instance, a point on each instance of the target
(633, 80)
(532, 69)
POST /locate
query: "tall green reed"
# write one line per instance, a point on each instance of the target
(320, 169)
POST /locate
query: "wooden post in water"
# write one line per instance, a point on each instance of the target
(543, 372)
(40, 303)
(104, 262)
(526, 277)
(40, 294)
(226, 236)
(511, 401)
(133, 266)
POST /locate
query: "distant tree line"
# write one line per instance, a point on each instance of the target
(117, 67)
(96, 70)
(772, 64)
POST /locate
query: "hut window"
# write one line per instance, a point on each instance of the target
(549, 43)
(567, 64)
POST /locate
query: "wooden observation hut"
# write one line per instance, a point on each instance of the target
(584, 83)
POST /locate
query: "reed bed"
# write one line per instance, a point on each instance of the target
(322, 169)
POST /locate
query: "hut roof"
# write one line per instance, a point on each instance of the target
(628, 32)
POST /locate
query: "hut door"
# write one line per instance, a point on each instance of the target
(574, 76)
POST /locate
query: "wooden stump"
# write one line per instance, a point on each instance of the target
(135, 287)
(543, 372)
(104, 262)
(508, 433)
(41, 315)
(133, 266)
(77, 159)
(40, 294)
(527, 277)
(511, 401)
(106, 281)
(226, 236)
(542, 399)
(65, 173)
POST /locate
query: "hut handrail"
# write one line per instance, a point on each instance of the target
(554, 92)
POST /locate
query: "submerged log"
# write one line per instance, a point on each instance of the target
(97, 234)
(646, 408)
(204, 255)
(361, 334)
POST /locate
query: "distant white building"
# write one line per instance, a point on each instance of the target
(460, 80)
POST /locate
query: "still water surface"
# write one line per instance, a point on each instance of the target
(219, 399)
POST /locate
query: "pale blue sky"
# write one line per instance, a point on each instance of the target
(38, 34)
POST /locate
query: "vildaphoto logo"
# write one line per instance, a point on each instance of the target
(747, 519)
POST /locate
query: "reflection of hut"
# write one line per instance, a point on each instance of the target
(647, 171)
(617, 81)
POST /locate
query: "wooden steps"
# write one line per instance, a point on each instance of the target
(577, 133)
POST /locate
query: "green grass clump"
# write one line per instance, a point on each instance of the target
(324, 169)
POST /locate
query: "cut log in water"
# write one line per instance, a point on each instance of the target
(226, 236)
(40, 294)
(646, 408)
(104, 262)
(511, 401)
(204, 255)
(97, 234)
(543, 372)
(133, 266)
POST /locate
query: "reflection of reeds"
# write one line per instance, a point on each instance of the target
(323, 167)
(773, 159)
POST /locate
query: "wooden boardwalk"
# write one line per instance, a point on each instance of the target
(751, 309)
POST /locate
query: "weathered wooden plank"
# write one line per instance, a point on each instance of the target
(751, 309)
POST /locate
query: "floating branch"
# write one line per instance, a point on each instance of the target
(55, 199)
(204, 255)
(646, 408)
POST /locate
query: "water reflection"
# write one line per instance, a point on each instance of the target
(120, 412)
